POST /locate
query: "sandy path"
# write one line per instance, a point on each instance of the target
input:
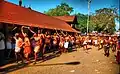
(93, 62)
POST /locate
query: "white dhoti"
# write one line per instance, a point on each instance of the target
(66, 45)
(17, 49)
(36, 49)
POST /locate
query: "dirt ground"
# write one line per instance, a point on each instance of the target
(91, 62)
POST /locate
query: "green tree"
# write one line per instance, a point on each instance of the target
(82, 23)
(104, 20)
(60, 10)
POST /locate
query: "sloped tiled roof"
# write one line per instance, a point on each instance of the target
(14, 14)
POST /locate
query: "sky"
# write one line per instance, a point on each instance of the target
(79, 6)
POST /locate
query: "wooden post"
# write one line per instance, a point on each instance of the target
(5, 26)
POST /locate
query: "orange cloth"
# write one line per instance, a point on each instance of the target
(27, 47)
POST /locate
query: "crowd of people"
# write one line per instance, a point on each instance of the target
(40, 43)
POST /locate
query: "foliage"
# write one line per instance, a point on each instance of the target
(60, 10)
(104, 20)
(82, 23)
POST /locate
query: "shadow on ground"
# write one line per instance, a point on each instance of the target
(67, 63)
(22, 65)
(48, 57)
(14, 67)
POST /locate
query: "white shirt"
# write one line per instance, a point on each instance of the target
(2, 43)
